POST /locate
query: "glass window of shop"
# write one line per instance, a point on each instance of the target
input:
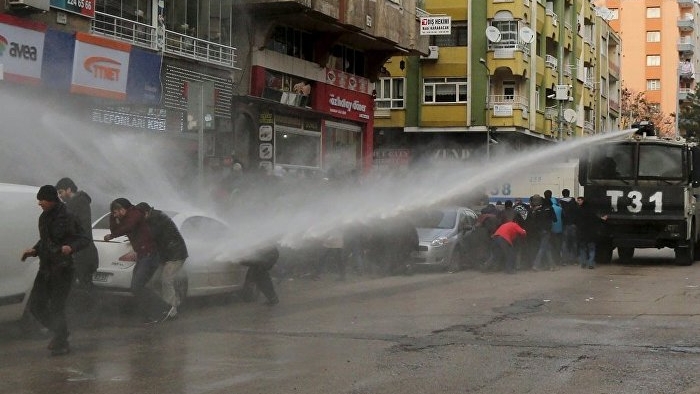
(133, 10)
(297, 148)
(343, 151)
(208, 20)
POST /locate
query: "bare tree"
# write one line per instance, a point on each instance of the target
(635, 107)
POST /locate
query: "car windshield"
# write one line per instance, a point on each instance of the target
(436, 218)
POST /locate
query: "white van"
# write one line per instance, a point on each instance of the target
(19, 230)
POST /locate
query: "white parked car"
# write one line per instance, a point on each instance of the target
(202, 273)
(19, 230)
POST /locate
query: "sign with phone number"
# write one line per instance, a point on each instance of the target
(82, 7)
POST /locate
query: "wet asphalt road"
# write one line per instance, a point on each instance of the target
(615, 329)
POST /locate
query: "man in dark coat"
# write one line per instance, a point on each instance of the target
(172, 252)
(78, 203)
(60, 235)
(542, 217)
(259, 265)
(128, 220)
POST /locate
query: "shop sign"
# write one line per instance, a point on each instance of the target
(81, 7)
(503, 110)
(347, 81)
(21, 49)
(347, 104)
(100, 67)
(153, 122)
(392, 157)
(435, 25)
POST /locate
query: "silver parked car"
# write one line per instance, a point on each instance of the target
(443, 236)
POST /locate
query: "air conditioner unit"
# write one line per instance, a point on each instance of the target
(29, 5)
(432, 54)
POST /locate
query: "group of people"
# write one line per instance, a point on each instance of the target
(67, 255)
(542, 235)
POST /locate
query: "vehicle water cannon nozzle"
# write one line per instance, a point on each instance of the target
(644, 128)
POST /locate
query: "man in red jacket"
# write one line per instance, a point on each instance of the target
(504, 238)
(128, 220)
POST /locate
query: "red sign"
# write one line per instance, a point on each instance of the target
(346, 104)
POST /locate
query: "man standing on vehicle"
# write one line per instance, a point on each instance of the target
(172, 251)
(78, 203)
(60, 235)
(127, 220)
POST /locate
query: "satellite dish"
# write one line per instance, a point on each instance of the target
(527, 35)
(569, 115)
(493, 34)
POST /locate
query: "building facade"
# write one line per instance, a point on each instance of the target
(659, 54)
(510, 74)
(288, 82)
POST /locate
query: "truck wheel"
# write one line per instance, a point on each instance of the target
(626, 254)
(603, 253)
(685, 255)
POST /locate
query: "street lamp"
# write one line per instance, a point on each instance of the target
(486, 109)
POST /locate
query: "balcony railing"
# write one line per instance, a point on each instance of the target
(198, 49)
(518, 102)
(174, 43)
(588, 126)
(551, 62)
(136, 33)
(614, 105)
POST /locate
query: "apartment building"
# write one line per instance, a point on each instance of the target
(287, 83)
(510, 74)
(659, 48)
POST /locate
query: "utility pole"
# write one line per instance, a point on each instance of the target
(487, 116)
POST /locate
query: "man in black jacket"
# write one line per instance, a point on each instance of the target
(172, 251)
(78, 203)
(60, 235)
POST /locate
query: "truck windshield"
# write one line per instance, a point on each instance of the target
(614, 161)
(656, 162)
(660, 162)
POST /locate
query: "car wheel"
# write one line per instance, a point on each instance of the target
(250, 292)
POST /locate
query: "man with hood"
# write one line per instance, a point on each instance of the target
(78, 203)
(172, 252)
(60, 235)
(128, 220)
(541, 218)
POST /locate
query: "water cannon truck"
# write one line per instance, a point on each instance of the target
(645, 189)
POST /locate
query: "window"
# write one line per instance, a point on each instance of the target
(390, 92)
(445, 90)
(508, 90)
(653, 60)
(343, 149)
(347, 59)
(456, 38)
(297, 147)
(653, 84)
(291, 42)
(206, 19)
(653, 12)
(653, 36)
(509, 32)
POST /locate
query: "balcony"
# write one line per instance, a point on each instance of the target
(588, 127)
(172, 43)
(614, 105)
(685, 3)
(135, 33)
(686, 23)
(551, 62)
(683, 93)
(686, 45)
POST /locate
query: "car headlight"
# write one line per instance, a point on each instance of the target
(440, 241)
